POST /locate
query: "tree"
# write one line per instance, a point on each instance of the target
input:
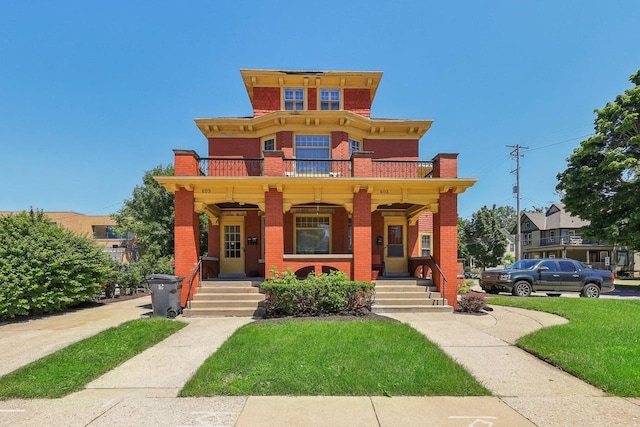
(463, 252)
(601, 181)
(486, 237)
(46, 268)
(149, 214)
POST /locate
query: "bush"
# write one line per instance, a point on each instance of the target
(465, 286)
(472, 302)
(45, 268)
(331, 293)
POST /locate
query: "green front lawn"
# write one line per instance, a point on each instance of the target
(600, 344)
(72, 367)
(324, 357)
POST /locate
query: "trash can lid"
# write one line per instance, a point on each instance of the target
(165, 277)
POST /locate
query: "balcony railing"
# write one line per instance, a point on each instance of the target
(317, 168)
(213, 166)
(229, 167)
(402, 168)
(569, 241)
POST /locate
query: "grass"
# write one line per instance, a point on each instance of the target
(356, 358)
(600, 344)
(72, 367)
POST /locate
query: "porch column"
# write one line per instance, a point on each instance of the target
(273, 231)
(187, 238)
(445, 229)
(362, 236)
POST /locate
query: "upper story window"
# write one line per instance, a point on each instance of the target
(425, 244)
(293, 99)
(311, 147)
(354, 146)
(268, 144)
(329, 99)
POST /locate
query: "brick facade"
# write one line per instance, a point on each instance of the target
(357, 198)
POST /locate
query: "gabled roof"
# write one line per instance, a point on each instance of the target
(554, 218)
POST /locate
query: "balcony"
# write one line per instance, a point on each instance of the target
(399, 169)
(573, 240)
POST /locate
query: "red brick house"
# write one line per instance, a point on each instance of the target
(312, 182)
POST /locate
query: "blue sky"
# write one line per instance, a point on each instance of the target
(92, 94)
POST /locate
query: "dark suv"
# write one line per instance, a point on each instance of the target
(553, 276)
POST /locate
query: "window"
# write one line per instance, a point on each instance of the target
(308, 149)
(268, 144)
(425, 244)
(567, 266)
(551, 265)
(526, 237)
(354, 147)
(293, 99)
(552, 236)
(312, 233)
(329, 99)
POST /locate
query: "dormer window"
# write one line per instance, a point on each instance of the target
(329, 99)
(293, 99)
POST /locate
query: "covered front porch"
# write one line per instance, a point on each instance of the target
(360, 224)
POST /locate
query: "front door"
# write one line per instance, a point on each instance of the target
(395, 246)
(231, 245)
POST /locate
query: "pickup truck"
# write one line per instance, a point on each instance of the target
(553, 276)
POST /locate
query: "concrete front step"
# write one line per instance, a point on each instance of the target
(395, 294)
(227, 290)
(225, 303)
(226, 298)
(405, 288)
(407, 301)
(249, 297)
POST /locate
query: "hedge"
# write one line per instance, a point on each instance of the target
(333, 293)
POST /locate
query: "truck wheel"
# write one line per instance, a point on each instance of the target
(522, 289)
(590, 290)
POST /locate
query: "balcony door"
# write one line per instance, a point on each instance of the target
(232, 245)
(395, 246)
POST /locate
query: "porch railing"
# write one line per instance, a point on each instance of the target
(214, 166)
(317, 168)
(196, 273)
(402, 168)
(399, 169)
(571, 240)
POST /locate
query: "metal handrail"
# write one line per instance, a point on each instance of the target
(444, 278)
(196, 270)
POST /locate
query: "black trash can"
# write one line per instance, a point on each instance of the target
(165, 294)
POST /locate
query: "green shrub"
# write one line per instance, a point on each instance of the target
(285, 295)
(45, 268)
(465, 286)
(472, 302)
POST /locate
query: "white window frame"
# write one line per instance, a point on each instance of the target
(289, 98)
(352, 146)
(526, 239)
(296, 227)
(421, 236)
(263, 143)
(330, 101)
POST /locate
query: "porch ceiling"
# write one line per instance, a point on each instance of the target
(423, 194)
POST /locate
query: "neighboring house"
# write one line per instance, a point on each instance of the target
(312, 182)
(557, 234)
(99, 228)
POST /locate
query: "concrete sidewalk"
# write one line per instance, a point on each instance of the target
(142, 391)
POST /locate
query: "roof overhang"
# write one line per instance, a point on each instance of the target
(313, 121)
(328, 79)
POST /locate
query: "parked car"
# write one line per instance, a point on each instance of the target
(468, 274)
(553, 276)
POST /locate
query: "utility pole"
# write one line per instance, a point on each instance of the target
(516, 190)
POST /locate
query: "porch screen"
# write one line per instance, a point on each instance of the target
(312, 235)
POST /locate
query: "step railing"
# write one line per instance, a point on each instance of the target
(196, 272)
(444, 278)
